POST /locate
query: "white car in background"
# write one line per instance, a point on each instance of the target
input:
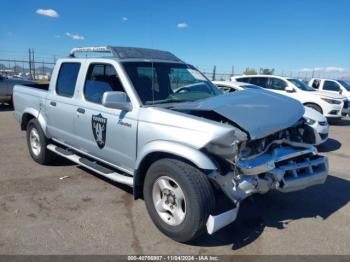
(330, 105)
(332, 86)
(313, 118)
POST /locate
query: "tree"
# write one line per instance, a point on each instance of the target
(267, 71)
(250, 71)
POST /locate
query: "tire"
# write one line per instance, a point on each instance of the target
(37, 142)
(315, 107)
(193, 211)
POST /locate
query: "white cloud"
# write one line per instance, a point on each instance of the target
(328, 69)
(74, 36)
(124, 19)
(182, 25)
(47, 12)
(57, 36)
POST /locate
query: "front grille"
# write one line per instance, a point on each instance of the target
(346, 104)
(323, 123)
(301, 167)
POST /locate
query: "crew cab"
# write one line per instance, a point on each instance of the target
(330, 105)
(145, 118)
(332, 86)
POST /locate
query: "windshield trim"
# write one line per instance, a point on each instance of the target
(345, 84)
(304, 87)
(213, 88)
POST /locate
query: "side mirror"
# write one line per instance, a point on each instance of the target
(289, 89)
(340, 91)
(116, 100)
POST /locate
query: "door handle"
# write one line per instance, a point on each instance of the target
(53, 103)
(81, 110)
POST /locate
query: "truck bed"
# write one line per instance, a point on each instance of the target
(29, 96)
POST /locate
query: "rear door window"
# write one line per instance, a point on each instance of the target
(259, 81)
(67, 79)
(243, 79)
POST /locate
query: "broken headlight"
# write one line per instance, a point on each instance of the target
(225, 146)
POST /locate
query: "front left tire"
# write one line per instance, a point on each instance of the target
(179, 198)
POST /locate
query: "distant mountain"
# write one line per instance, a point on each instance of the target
(39, 69)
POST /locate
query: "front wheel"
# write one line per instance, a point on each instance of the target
(37, 143)
(179, 199)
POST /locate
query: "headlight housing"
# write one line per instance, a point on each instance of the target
(331, 101)
(309, 121)
(225, 146)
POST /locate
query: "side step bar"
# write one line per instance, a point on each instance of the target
(99, 169)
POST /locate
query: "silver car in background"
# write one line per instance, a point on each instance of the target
(6, 87)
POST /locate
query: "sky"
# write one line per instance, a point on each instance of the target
(288, 35)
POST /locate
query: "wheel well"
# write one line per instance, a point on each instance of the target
(306, 104)
(25, 120)
(140, 173)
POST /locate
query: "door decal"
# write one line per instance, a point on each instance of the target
(99, 129)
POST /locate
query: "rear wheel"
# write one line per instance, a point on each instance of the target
(37, 143)
(315, 107)
(179, 199)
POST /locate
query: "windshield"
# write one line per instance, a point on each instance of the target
(157, 83)
(345, 84)
(300, 84)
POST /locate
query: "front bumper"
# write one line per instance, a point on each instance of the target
(290, 169)
(333, 111)
(285, 169)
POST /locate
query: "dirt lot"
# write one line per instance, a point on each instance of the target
(84, 214)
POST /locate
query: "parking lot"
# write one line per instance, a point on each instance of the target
(86, 214)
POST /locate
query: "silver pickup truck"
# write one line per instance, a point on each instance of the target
(144, 118)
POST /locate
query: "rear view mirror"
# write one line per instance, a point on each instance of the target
(116, 100)
(289, 89)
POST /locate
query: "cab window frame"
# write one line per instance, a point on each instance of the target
(89, 73)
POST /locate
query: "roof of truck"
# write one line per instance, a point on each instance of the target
(128, 53)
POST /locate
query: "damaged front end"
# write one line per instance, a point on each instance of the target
(285, 161)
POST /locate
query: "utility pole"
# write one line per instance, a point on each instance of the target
(214, 73)
(30, 63)
(43, 71)
(33, 60)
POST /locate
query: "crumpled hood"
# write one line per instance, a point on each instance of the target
(258, 112)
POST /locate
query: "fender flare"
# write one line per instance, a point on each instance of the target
(36, 114)
(193, 155)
